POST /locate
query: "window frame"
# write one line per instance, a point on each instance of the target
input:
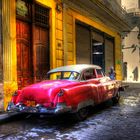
(82, 78)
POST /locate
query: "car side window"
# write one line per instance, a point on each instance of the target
(88, 74)
(99, 73)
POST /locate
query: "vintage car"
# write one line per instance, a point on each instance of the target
(71, 89)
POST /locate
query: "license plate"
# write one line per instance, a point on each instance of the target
(30, 103)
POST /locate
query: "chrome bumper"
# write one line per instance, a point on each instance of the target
(61, 108)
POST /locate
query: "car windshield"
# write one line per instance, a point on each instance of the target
(69, 75)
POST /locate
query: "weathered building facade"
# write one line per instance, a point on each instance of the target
(131, 42)
(39, 35)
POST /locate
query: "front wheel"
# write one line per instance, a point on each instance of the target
(116, 98)
(82, 114)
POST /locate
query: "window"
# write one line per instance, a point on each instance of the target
(23, 10)
(99, 73)
(88, 74)
(41, 16)
(64, 75)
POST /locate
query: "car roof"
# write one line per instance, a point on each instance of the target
(77, 68)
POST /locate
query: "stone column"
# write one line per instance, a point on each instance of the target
(9, 49)
(1, 61)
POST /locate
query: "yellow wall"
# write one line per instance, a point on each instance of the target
(59, 39)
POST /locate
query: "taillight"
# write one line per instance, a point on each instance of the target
(61, 97)
(61, 93)
(15, 93)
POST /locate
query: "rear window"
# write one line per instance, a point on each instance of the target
(64, 75)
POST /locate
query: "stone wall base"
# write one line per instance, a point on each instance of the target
(1, 97)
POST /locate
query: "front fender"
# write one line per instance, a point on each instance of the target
(77, 94)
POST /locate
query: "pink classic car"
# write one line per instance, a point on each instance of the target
(72, 89)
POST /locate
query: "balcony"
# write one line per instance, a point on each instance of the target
(115, 7)
(108, 12)
(133, 15)
(133, 12)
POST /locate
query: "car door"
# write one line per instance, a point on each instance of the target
(90, 77)
(106, 86)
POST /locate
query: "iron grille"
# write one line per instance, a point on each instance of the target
(41, 16)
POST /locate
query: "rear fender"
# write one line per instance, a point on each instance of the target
(78, 95)
(84, 104)
(60, 97)
(15, 96)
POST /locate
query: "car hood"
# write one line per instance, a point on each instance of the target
(44, 92)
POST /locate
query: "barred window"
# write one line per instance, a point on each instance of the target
(41, 16)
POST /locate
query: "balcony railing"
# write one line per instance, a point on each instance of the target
(133, 12)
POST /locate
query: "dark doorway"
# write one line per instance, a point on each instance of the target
(102, 50)
(98, 53)
(125, 71)
(41, 43)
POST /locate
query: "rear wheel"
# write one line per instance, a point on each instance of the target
(116, 98)
(82, 114)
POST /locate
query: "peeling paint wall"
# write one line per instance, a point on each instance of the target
(132, 56)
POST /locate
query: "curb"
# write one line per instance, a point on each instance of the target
(4, 117)
(132, 84)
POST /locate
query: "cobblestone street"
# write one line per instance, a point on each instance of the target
(106, 122)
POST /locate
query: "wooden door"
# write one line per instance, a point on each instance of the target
(24, 57)
(41, 45)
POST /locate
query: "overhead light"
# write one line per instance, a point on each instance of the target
(97, 44)
(98, 53)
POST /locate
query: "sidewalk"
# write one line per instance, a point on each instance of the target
(133, 84)
(4, 116)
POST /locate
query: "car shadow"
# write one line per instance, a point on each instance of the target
(63, 119)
